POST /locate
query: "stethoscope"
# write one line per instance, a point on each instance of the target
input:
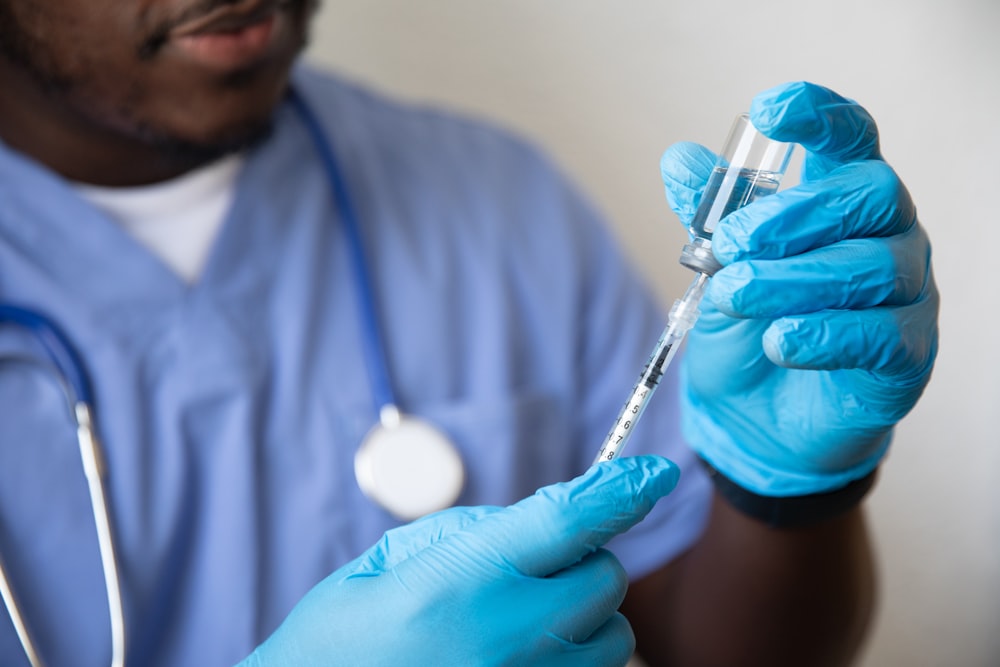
(404, 464)
(67, 367)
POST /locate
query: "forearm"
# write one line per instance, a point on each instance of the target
(749, 594)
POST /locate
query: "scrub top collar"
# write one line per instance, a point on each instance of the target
(71, 245)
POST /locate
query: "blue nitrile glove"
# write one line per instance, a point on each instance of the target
(820, 332)
(521, 585)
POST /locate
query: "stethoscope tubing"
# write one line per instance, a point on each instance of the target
(395, 436)
(57, 346)
(14, 610)
(73, 379)
(373, 342)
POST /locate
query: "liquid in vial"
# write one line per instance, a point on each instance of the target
(747, 186)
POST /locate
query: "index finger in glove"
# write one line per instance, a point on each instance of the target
(562, 523)
(832, 128)
(860, 200)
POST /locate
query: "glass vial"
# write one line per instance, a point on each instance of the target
(750, 166)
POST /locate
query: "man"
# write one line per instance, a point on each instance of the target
(226, 334)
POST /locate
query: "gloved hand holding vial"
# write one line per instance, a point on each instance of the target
(750, 166)
(819, 325)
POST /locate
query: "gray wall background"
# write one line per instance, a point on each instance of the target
(605, 87)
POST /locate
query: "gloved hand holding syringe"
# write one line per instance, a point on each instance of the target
(749, 167)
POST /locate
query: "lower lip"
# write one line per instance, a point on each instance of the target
(228, 50)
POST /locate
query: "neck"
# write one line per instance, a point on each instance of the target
(44, 126)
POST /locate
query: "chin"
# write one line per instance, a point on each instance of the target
(208, 145)
(216, 120)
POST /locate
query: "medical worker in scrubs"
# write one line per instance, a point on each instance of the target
(164, 198)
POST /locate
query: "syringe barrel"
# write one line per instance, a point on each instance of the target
(682, 317)
(750, 166)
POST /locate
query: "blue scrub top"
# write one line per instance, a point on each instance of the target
(231, 409)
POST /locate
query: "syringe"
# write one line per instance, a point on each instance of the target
(682, 317)
(749, 167)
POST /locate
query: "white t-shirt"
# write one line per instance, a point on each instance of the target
(178, 220)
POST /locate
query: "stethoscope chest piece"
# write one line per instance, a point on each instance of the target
(408, 466)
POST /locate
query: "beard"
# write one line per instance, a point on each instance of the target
(74, 81)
